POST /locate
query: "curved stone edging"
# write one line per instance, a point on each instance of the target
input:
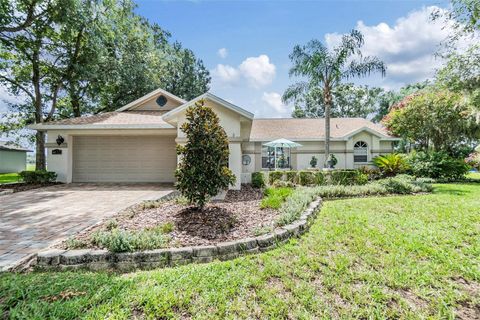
(57, 259)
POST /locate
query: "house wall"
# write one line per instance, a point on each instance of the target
(301, 156)
(12, 161)
(151, 105)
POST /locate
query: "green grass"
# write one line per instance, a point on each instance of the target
(8, 177)
(13, 177)
(274, 197)
(473, 175)
(402, 257)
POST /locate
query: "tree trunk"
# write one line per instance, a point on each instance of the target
(40, 162)
(74, 100)
(328, 104)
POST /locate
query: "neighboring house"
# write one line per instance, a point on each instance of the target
(12, 157)
(136, 143)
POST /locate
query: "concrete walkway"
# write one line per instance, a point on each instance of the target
(33, 220)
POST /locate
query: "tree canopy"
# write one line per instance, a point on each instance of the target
(66, 58)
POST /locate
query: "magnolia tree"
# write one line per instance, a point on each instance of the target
(203, 170)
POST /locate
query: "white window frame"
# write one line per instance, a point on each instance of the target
(360, 148)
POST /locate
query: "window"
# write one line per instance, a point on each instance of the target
(360, 152)
(282, 157)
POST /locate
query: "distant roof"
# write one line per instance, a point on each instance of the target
(120, 120)
(313, 129)
(10, 146)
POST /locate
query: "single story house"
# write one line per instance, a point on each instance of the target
(12, 157)
(136, 143)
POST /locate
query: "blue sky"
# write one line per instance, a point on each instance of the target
(245, 44)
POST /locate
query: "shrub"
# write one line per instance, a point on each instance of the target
(295, 204)
(320, 178)
(203, 170)
(283, 184)
(306, 178)
(361, 178)
(391, 164)
(343, 177)
(436, 165)
(473, 160)
(274, 175)
(292, 176)
(274, 197)
(257, 180)
(38, 176)
(123, 241)
(371, 173)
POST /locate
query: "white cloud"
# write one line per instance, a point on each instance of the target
(274, 100)
(222, 53)
(257, 71)
(225, 74)
(408, 47)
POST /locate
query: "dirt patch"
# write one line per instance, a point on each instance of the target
(237, 216)
(468, 311)
(413, 301)
(470, 287)
(18, 187)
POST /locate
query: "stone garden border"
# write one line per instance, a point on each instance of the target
(96, 260)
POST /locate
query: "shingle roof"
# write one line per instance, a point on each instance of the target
(309, 129)
(9, 146)
(115, 118)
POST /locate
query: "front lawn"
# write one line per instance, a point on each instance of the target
(9, 177)
(408, 257)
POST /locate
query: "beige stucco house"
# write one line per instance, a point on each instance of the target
(136, 143)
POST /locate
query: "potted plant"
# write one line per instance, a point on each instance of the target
(313, 162)
(332, 161)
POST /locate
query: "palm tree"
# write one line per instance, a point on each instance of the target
(325, 69)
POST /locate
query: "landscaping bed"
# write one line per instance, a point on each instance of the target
(22, 186)
(174, 223)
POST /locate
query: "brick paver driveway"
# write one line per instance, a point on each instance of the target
(33, 220)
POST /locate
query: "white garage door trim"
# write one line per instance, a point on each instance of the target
(124, 159)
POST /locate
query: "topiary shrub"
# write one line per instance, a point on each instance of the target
(203, 170)
(313, 162)
(436, 165)
(306, 178)
(274, 176)
(258, 180)
(38, 176)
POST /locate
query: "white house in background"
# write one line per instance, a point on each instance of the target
(136, 143)
(12, 157)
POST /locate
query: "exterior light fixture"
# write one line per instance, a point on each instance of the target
(60, 140)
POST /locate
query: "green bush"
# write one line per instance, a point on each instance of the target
(343, 177)
(436, 165)
(257, 180)
(124, 241)
(291, 176)
(320, 178)
(391, 164)
(38, 176)
(274, 175)
(306, 178)
(371, 173)
(274, 197)
(203, 169)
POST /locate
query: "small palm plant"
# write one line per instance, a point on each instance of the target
(391, 164)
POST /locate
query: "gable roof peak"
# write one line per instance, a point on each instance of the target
(150, 95)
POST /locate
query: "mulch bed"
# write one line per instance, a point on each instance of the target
(20, 186)
(237, 216)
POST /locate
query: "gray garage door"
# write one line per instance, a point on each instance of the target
(124, 159)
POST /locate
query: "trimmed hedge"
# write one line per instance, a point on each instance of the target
(38, 176)
(311, 178)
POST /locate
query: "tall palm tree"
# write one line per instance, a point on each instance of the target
(325, 69)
